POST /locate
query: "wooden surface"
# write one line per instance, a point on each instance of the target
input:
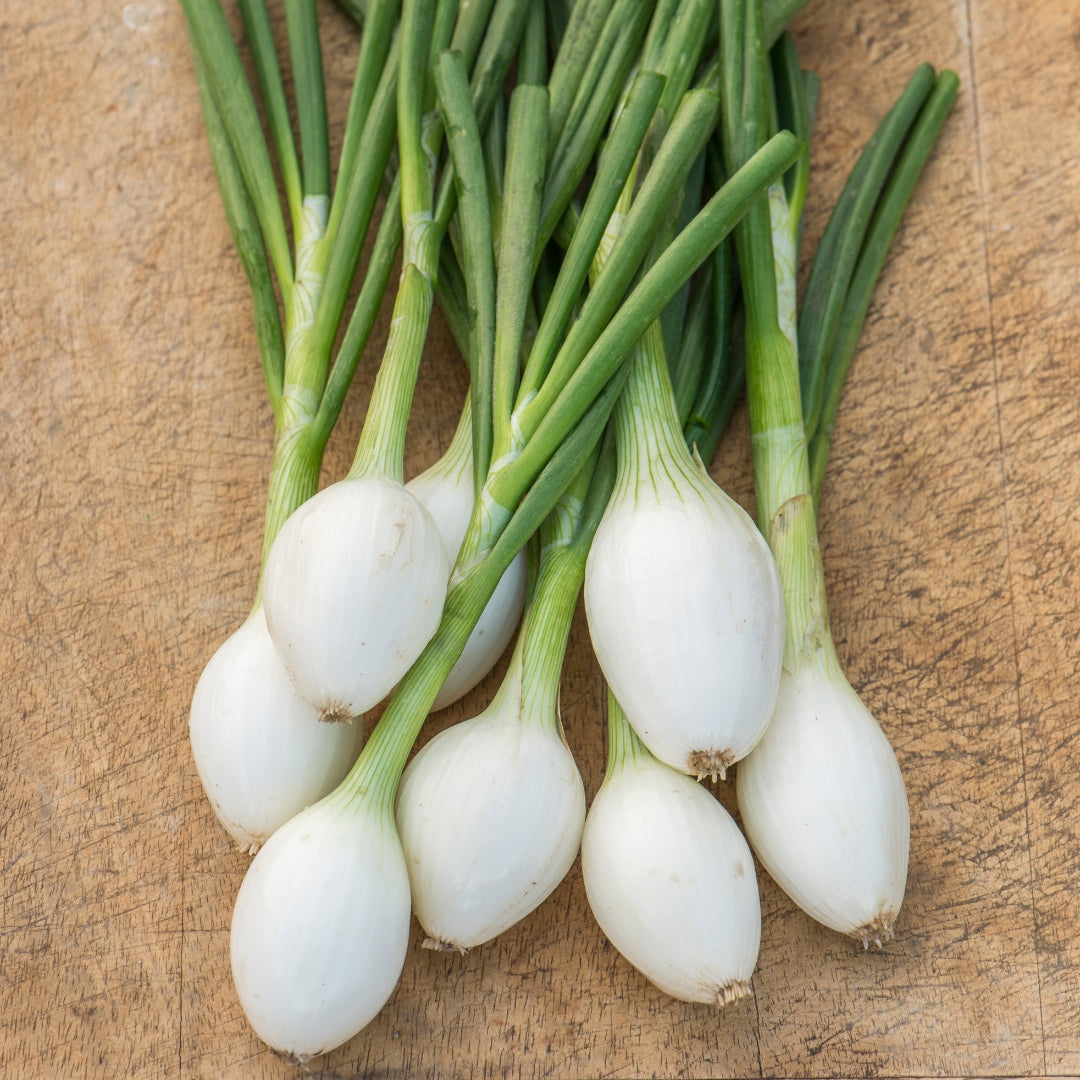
(134, 444)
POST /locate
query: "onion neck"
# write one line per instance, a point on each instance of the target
(294, 478)
(648, 435)
(457, 460)
(785, 503)
(305, 366)
(794, 542)
(298, 448)
(624, 748)
(381, 448)
(546, 629)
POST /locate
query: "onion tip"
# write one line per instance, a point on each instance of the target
(438, 945)
(879, 931)
(732, 991)
(709, 763)
(335, 714)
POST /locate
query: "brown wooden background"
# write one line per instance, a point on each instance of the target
(134, 443)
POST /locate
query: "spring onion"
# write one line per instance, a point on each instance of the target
(355, 582)
(259, 759)
(308, 984)
(684, 602)
(668, 875)
(559, 425)
(490, 811)
(822, 797)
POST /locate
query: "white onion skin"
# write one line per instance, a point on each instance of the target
(321, 927)
(490, 814)
(259, 749)
(823, 803)
(686, 615)
(448, 496)
(671, 882)
(353, 589)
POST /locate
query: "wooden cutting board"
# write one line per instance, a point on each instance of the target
(134, 444)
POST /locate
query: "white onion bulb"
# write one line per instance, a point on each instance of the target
(671, 882)
(353, 588)
(259, 749)
(823, 803)
(321, 927)
(686, 615)
(490, 813)
(446, 489)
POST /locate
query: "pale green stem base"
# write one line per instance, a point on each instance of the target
(624, 747)
(783, 487)
(381, 448)
(547, 631)
(651, 449)
(297, 458)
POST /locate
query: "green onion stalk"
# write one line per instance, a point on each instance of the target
(347, 928)
(821, 796)
(709, 371)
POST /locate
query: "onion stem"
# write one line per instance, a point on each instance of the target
(229, 88)
(302, 27)
(545, 630)
(261, 38)
(623, 745)
(244, 227)
(612, 173)
(474, 214)
(517, 256)
(493, 58)
(838, 251)
(882, 228)
(375, 50)
(577, 47)
(777, 14)
(574, 140)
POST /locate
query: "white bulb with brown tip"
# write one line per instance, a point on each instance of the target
(671, 881)
(823, 803)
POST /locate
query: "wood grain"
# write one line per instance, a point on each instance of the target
(134, 444)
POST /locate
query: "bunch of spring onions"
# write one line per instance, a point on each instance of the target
(339, 937)
(559, 229)
(491, 812)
